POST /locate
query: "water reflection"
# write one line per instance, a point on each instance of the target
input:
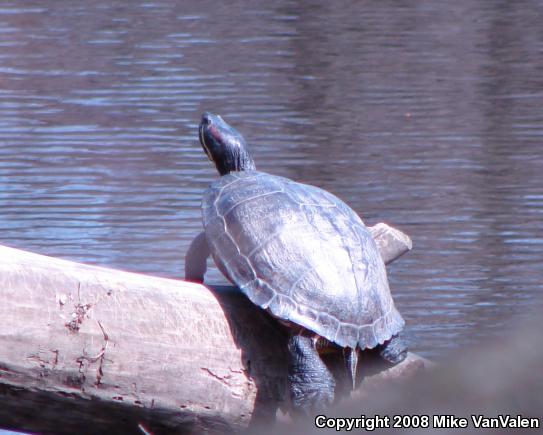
(426, 116)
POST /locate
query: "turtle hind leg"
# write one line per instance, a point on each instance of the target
(394, 350)
(311, 383)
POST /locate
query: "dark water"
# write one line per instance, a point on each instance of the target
(426, 115)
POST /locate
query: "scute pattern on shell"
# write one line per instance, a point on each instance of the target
(303, 254)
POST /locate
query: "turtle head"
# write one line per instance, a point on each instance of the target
(224, 145)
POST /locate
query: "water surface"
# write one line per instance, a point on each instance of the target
(423, 115)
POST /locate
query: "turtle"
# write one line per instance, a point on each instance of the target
(300, 253)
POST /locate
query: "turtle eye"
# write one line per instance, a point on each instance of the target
(206, 118)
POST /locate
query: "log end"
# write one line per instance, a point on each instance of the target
(392, 243)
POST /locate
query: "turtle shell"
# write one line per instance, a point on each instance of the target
(303, 254)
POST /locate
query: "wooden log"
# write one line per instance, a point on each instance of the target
(392, 243)
(85, 349)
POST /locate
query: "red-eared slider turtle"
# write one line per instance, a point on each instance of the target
(302, 254)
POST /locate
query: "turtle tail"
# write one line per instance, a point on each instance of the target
(351, 362)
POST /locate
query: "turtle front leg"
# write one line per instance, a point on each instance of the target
(196, 259)
(311, 384)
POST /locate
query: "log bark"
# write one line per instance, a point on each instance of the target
(85, 349)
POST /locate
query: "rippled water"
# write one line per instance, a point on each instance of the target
(424, 115)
